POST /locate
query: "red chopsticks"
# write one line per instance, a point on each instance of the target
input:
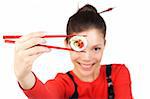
(109, 9)
(46, 36)
(7, 37)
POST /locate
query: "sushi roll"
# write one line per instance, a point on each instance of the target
(78, 43)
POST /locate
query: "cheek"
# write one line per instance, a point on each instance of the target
(74, 56)
(98, 57)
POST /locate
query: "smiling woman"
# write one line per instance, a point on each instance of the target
(89, 79)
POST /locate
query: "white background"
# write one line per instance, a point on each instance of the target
(127, 39)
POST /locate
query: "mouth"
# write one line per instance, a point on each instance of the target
(86, 66)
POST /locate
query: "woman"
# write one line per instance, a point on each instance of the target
(88, 79)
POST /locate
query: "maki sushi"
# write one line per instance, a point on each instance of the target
(78, 43)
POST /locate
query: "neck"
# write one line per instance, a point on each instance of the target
(87, 78)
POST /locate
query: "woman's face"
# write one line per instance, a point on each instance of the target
(88, 61)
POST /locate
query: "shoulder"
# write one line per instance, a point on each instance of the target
(120, 73)
(120, 70)
(116, 67)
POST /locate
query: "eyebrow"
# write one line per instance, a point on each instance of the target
(96, 45)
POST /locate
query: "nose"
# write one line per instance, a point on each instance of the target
(87, 55)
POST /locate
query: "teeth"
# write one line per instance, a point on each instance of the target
(86, 65)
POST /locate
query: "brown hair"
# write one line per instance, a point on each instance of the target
(85, 18)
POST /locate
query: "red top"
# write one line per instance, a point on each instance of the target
(62, 86)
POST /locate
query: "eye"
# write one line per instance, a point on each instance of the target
(97, 49)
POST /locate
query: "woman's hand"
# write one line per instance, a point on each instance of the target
(25, 54)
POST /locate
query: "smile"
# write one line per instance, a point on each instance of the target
(86, 66)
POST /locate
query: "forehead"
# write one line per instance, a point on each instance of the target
(93, 36)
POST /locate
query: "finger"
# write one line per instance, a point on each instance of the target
(28, 61)
(34, 57)
(29, 36)
(32, 42)
(36, 50)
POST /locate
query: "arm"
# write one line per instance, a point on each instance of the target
(58, 88)
(25, 54)
(40, 90)
(28, 82)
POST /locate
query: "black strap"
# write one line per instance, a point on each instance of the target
(75, 94)
(111, 94)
